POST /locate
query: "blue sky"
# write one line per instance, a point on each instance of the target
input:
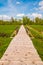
(19, 8)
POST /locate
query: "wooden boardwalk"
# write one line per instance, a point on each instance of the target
(21, 51)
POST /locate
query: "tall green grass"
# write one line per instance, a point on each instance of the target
(37, 27)
(4, 39)
(37, 39)
(39, 46)
(4, 42)
(8, 29)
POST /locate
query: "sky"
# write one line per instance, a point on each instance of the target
(20, 8)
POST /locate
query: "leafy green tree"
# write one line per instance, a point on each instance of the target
(26, 20)
(38, 21)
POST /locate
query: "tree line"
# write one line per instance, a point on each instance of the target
(25, 20)
(36, 21)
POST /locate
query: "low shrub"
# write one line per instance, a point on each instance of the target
(4, 35)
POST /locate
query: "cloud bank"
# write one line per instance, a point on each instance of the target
(5, 17)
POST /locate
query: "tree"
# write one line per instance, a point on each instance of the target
(38, 21)
(26, 20)
(12, 19)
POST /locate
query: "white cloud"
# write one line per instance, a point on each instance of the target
(20, 15)
(17, 3)
(31, 16)
(5, 17)
(41, 8)
(36, 15)
(10, 9)
(41, 5)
